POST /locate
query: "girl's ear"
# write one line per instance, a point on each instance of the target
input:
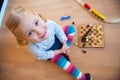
(41, 15)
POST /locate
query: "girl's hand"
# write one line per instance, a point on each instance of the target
(65, 48)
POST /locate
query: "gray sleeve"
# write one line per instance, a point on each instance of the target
(39, 53)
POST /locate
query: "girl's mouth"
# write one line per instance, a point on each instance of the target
(43, 35)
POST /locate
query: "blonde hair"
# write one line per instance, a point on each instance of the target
(13, 22)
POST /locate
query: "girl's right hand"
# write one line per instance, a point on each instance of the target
(65, 49)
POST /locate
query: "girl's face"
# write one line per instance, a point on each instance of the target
(32, 28)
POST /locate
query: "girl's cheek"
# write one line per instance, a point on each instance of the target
(34, 40)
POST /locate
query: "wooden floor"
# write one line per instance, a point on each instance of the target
(103, 63)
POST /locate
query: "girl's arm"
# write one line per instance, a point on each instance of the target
(60, 33)
(40, 53)
(62, 37)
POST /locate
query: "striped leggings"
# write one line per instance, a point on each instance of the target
(62, 62)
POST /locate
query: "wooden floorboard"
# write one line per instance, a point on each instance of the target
(103, 63)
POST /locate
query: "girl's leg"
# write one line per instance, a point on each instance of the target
(69, 31)
(63, 63)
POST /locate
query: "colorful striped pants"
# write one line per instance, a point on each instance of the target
(62, 62)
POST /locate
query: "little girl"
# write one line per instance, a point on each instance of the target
(45, 39)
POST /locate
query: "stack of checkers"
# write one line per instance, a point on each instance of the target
(90, 36)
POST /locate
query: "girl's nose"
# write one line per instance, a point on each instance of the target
(38, 31)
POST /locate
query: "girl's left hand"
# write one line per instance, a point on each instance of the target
(65, 48)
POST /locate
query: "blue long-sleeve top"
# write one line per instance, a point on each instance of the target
(40, 49)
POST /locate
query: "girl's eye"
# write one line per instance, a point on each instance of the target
(36, 23)
(30, 33)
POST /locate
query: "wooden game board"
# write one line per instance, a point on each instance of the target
(90, 36)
